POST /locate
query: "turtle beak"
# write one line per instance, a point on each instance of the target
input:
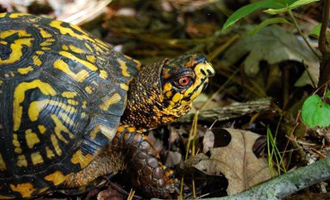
(205, 66)
(209, 69)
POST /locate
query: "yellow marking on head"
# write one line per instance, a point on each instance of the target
(25, 189)
(108, 132)
(21, 161)
(124, 86)
(167, 87)
(123, 67)
(31, 138)
(55, 144)
(59, 128)
(81, 61)
(17, 45)
(91, 58)
(198, 81)
(57, 177)
(73, 102)
(36, 60)
(3, 42)
(36, 158)
(16, 144)
(69, 94)
(76, 49)
(82, 160)
(3, 166)
(103, 74)
(25, 70)
(37, 106)
(42, 129)
(169, 94)
(62, 66)
(49, 153)
(2, 15)
(89, 89)
(108, 101)
(177, 97)
(19, 96)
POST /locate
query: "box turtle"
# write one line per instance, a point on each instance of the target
(68, 99)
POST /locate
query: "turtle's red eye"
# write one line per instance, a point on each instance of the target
(184, 81)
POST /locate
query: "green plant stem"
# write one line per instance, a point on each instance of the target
(302, 35)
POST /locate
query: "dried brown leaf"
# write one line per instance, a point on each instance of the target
(237, 162)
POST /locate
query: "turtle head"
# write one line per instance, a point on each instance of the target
(164, 91)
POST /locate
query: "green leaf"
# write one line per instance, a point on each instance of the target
(294, 5)
(316, 30)
(315, 112)
(327, 94)
(246, 10)
(267, 22)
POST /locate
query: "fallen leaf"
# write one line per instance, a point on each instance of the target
(236, 161)
(274, 45)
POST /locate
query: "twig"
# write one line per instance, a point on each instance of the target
(287, 183)
(302, 35)
(324, 48)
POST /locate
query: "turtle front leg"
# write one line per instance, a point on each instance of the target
(149, 174)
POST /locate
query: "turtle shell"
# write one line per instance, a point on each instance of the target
(62, 93)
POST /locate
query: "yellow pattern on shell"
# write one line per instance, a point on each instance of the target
(49, 153)
(3, 165)
(123, 67)
(17, 45)
(69, 94)
(75, 58)
(67, 30)
(25, 189)
(57, 177)
(21, 161)
(19, 96)
(36, 158)
(42, 129)
(55, 144)
(59, 128)
(25, 70)
(16, 144)
(62, 66)
(108, 101)
(124, 86)
(107, 131)
(31, 138)
(82, 160)
(37, 106)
